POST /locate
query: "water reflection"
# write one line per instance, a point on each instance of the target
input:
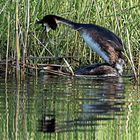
(47, 123)
(69, 108)
(81, 104)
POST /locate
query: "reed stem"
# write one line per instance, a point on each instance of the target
(26, 35)
(131, 58)
(17, 40)
(7, 50)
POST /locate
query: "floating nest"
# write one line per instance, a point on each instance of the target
(102, 69)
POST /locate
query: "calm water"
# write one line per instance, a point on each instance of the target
(62, 108)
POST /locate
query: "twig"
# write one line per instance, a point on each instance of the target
(51, 57)
(131, 58)
(58, 72)
(70, 68)
(42, 44)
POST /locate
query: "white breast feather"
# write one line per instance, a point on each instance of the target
(47, 27)
(95, 46)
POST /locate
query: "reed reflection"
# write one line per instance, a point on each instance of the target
(102, 100)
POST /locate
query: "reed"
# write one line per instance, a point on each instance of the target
(27, 23)
(17, 36)
(7, 50)
(122, 17)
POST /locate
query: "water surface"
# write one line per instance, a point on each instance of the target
(69, 108)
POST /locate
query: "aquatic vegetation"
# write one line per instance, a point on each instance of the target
(21, 38)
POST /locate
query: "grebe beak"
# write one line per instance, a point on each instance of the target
(47, 27)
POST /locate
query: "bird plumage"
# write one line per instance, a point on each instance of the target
(103, 41)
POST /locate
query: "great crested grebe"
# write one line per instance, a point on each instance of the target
(104, 42)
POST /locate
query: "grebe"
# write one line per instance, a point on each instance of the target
(104, 42)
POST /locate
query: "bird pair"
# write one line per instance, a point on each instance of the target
(101, 40)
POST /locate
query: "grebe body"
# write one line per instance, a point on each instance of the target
(101, 40)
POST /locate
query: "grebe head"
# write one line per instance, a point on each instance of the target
(49, 22)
